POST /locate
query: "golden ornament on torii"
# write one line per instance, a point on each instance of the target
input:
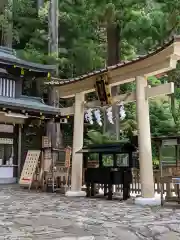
(103, 90)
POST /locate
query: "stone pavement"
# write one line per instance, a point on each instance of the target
(41, 216)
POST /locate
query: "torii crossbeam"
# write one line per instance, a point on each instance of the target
(159, 61)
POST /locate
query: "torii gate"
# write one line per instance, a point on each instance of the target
(160, 61)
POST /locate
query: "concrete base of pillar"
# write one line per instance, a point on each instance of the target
(147, 201)
(75, 194)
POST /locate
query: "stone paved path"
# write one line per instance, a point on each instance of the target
(41, 216)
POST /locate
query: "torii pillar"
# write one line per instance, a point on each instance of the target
(144, 142)
(77, 158)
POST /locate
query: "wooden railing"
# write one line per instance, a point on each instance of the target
(168, 187)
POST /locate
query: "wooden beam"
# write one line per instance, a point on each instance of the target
(128, 97)
(163, 89)
(67, 111)
(117, 76)
(129, 73)
(11, 120)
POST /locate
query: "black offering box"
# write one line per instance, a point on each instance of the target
(115, 163)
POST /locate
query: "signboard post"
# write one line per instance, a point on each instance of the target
(68, 152)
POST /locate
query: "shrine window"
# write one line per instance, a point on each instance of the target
(122, 160)
(6, 151)
(7, 87)
(107, 160)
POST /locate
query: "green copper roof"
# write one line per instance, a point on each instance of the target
(32, 104)
(8, 57)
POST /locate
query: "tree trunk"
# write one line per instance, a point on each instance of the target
(113, 44)
(113, 56)
(53, 30)
(2, 5)
(54, 129)
(8, 36)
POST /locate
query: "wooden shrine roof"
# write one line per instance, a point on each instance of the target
(8, 57)
(29, 104)
(122, 64)
(114, 147)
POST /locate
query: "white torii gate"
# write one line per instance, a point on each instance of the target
(160, 61)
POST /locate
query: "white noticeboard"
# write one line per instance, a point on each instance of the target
(29, 168)
(169, 142)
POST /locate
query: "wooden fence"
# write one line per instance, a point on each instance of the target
(168, 187)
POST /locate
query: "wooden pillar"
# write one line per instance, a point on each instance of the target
(19, 150)
(144, 139)
(77, 158)
(15, 150)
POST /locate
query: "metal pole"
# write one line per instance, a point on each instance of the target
(19, 150)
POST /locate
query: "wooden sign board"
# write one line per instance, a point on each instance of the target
(68, 157)
(46, 142)
(68, 152)
(29, 168)
(47, 160)
(103, 90)
(6, 141)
